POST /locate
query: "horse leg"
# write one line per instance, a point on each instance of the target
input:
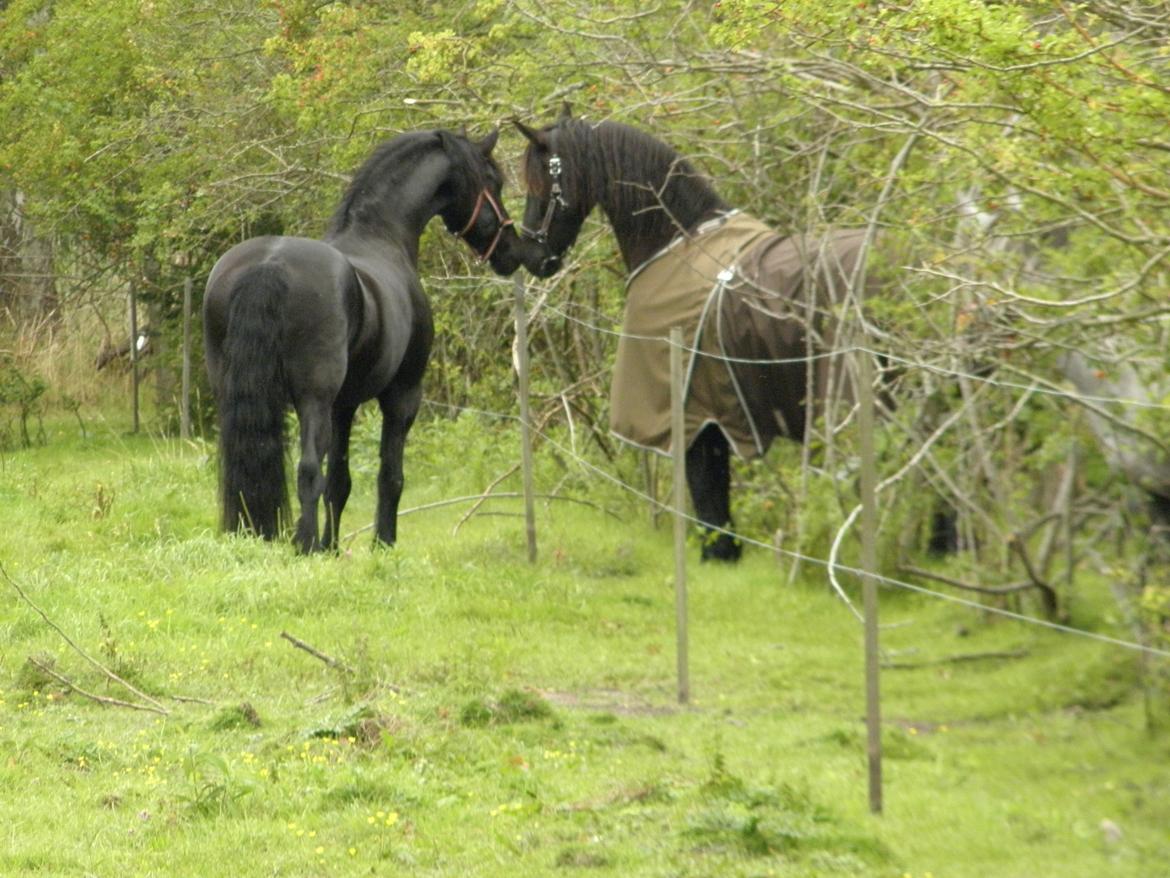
(709, 478)
(315, 419)
(944, 531)
(399, 406)
(337, 478)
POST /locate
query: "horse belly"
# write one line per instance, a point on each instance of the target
(373, 367)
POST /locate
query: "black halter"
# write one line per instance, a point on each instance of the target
(556, 195)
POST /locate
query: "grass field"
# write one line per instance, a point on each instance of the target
(498, 718)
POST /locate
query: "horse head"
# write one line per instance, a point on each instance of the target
(557, 201)
(475, 209)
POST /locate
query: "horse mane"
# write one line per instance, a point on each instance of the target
(365, 201)
(636, 178)
(354, 207)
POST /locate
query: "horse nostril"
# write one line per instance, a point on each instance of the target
(550, 266)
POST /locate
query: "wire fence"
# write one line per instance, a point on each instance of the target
(823, 563)
(893, 359)
(832, 565)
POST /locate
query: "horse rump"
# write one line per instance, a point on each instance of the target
(253, 399)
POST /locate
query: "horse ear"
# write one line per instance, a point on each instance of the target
(533, 136)
(566, 112)
(489, 143)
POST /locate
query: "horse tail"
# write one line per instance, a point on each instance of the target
(253, 402)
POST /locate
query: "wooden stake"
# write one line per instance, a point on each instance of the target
(678, 451)
(873, 709)
(185, 400)
(135, 378)
(525, 421)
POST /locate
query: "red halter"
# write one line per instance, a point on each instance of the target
(503, 220)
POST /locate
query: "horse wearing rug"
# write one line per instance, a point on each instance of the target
(324, 325)
(755, 306)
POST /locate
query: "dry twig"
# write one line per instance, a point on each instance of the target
(316, 653)
(100, 699)
(155, 706)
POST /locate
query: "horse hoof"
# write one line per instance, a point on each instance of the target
(722, 548)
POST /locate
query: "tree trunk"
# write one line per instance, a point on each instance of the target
(28, 287)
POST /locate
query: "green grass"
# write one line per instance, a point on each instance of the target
(498, 718)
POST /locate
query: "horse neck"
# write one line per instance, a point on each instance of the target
(647, 191)
(393, 201)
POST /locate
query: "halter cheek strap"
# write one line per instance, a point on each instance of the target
(503, 221)
(556, 195)
(555, 198)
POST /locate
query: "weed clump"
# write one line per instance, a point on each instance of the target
(32, 677)
(754, 820)
(364, 726)
(580, 858)
(514, 706)
(518, 706)
(475, 714)
(242, 716)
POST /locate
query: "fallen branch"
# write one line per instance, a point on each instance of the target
(158, 708)
(1047, 592)
(316, 653)
(100, 699)
(471, 498)
(487, 492)
(956, 659)
(1010, 588)
(191, 699)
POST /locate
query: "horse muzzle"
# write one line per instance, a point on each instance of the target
(549, 266)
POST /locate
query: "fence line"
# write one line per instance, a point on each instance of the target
(827, 564)
(945, 371)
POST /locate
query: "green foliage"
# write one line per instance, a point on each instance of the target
(242, 716)
(23, 395)
(213, 788)
(32, 679)
(1154, 616)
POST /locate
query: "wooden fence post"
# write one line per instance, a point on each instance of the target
(185, 391)
(135, 378)
(678, 451)
(525, 421)
(873, 710)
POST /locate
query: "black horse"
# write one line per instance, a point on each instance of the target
(659, 206)
(326, 325)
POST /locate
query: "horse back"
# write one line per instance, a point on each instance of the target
(354, 319)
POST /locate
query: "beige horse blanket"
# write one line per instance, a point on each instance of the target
(755, 310)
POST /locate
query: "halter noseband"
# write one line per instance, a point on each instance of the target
(501, 218)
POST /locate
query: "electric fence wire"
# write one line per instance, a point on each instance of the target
(849, 350)
(812, 559)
